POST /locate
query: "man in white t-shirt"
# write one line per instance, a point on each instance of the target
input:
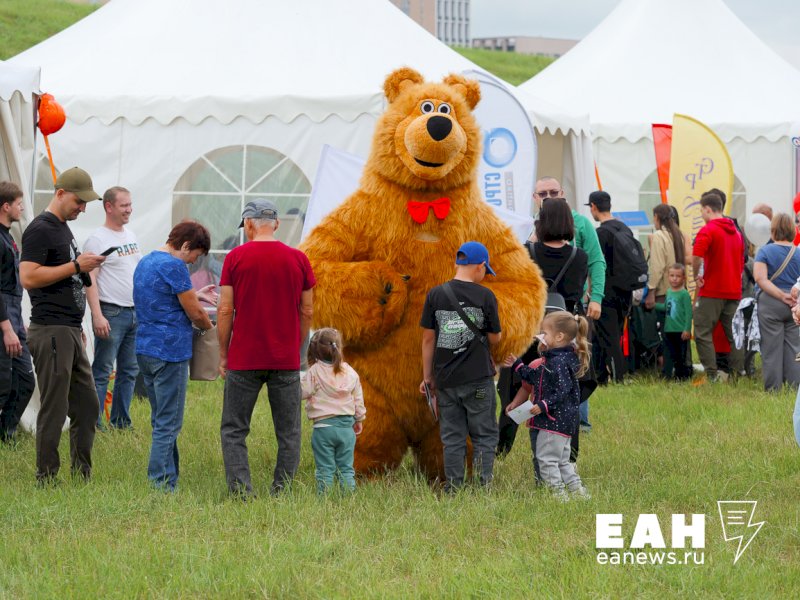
(110, 300)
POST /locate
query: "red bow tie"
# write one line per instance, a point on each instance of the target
(419, 210)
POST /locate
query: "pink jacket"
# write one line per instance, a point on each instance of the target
(330, 395)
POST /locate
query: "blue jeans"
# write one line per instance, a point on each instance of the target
(166, 388)
(120, 346)
(583, 410)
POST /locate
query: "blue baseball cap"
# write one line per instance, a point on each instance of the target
(474, 253)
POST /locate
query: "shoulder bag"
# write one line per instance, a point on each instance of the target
(780, 270)
(204, 364)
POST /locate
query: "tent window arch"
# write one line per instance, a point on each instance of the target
(650, 196)
(215, 188)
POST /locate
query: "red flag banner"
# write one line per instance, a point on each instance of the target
(662, 140)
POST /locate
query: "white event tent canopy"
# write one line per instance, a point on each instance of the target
(650, 59)
(197, 106)
(19, 87)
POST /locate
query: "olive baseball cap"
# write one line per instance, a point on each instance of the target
(78, 182)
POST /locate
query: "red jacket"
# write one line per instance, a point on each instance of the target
(721, 247)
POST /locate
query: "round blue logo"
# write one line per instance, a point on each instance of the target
(499, 147)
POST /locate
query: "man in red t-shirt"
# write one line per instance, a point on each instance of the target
(264, 313)
(720, 249)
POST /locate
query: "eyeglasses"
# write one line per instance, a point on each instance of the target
(550, 193)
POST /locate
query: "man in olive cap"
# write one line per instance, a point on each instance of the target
(55, 273)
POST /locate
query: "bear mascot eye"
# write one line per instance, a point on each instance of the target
(445, 109)
(427, 107)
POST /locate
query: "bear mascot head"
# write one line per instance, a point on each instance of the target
(378, 254)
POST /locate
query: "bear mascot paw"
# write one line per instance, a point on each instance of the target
(377, 254)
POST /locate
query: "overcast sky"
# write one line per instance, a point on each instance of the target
(777, 22)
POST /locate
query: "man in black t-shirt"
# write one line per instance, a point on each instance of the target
(54, 273)
(457, 365)
(16, 370)
(606, 346)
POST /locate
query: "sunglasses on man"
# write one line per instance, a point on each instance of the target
(549, 193)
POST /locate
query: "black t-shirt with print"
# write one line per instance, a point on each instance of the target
(50, 243)
(457, 359)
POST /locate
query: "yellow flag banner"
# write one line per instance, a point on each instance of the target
(699, 161)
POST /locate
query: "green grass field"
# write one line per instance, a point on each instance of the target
(510, 66)
(656, 448)
(25, 23)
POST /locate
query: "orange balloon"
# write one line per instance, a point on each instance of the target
(51, 115)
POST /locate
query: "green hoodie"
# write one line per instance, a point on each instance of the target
(586, 240)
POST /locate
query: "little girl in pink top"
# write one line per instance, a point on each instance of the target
(335, 402)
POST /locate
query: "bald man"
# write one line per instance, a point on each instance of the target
(585, 239)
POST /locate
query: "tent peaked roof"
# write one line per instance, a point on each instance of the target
(651, 58)
(195, 59)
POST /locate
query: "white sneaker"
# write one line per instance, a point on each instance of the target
(582, 493)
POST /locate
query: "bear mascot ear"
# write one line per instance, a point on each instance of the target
(469, 88)
(399, 80)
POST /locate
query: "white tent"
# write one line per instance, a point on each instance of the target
(651, 58)
(197, 106)
(18, 89)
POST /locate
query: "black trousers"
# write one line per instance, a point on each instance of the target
(675, 356)
(606, 347)
(16, 374)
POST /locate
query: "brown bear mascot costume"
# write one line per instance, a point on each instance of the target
(377, 254)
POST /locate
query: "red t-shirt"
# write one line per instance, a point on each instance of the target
(720, 246)
(267, 279)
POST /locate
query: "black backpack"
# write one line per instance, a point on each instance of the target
(629, 268)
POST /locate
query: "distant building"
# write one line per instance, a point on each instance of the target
(448, 20)
(526, 45)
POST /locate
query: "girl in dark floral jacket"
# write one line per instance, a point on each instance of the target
(553, 386)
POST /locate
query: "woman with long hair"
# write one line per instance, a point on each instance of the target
(667, 247)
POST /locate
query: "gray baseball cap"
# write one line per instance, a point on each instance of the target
(260, 208)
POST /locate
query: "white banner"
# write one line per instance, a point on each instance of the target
(507, 169)
(337, 177)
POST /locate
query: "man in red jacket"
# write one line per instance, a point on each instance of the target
(720, 249)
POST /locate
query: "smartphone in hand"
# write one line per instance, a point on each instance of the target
(109, 251)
